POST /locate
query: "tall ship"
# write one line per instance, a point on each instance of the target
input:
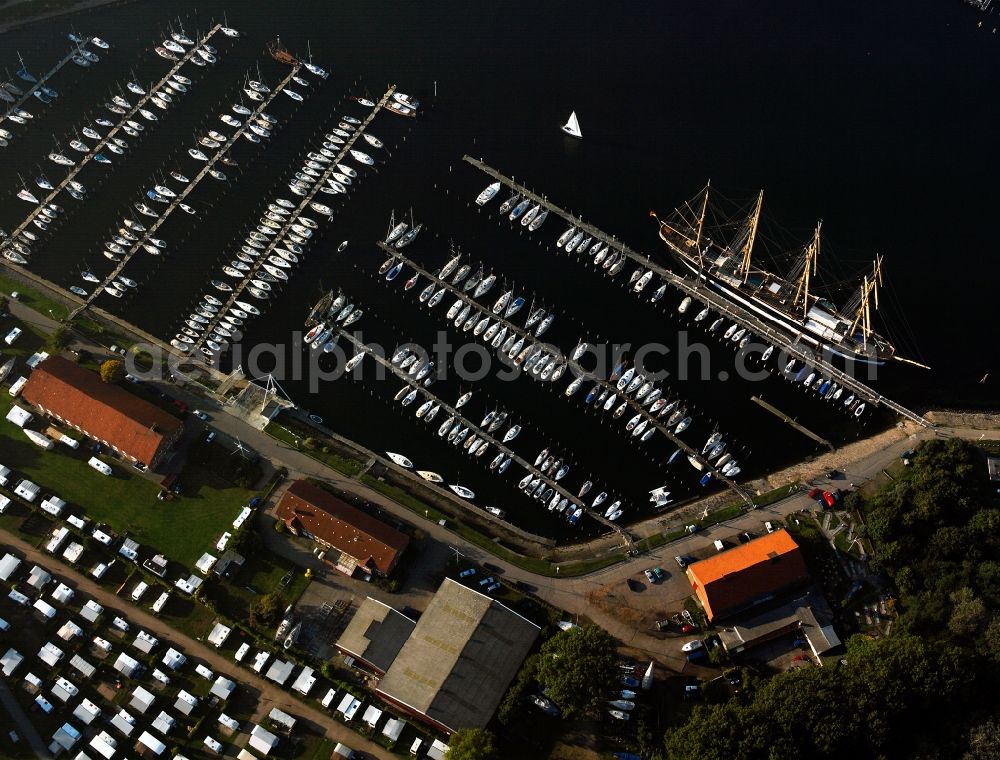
(785, 301)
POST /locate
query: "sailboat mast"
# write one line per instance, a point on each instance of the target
(869, 293)
(808, 270)
(701, 216)
(747, 250)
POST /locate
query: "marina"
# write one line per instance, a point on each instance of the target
(528, 338)
(181, 196)
(500, 446)
(238, 290)
(698, 292)
(109, 137)
(40, 84)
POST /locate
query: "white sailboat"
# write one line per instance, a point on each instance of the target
(572, 126)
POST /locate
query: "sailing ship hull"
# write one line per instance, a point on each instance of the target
(783, 321)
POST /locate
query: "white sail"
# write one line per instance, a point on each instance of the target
(572, 126)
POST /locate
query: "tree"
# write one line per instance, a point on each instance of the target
(264, 611)
(247, 542)
(113, 371)
(579, 668)
(472, 744)
(58, 339)
(517, 695)
(968, 613)
(984, 742)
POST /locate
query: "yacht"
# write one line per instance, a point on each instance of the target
(431, 477)
(462, 491)
(487, 194)
(399, 459)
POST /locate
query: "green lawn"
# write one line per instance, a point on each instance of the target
(181, 529)
(341, 464)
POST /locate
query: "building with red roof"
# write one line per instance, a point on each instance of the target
(105, 412)
(753, 573)
(362, 540)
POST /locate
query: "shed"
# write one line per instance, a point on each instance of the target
(69, 631)
(73, 552)
(8, 565)
(38, 577)
(105, 745)
(262, 740)
(231, 723)
(142, 700)
(91, 611)
(64, 690)
(223, 688)
(153, 744)
(213, 744)
(63, 594)
(19, 416)
(305, 681)
(372, 716)
(59, 535)
(160, 676)
(437, 750)
(188, 585)
(45, 609)
(185, 702)
(34, 681)
(65, 737)
(77, 522)
(219, 635)
(124, 722)
(10, 660)
(50, 654)
(87, 712)
(127, 666)
(280, 671)
(342, 750)
(348, 706)
(53, 505)
(281, 718)
(173, 659)
(205, 563)
(157, 565)
(145, 642)
(393, 728)
(164, 723)
(204, 671)
(27, 490)
(82, 667)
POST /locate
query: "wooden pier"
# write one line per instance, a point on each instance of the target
(42, 81)
(698, 291)
(280, 234)
(789, 421)
(112, 132)
(572, 500)
(182, 196)
(530, 338)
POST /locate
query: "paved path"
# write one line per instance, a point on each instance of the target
(24, 725)
(269, 694)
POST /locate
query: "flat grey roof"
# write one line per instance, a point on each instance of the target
(462, 655)
(376, 633)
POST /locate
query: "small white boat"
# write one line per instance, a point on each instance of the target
(399, 459)
(462, 491)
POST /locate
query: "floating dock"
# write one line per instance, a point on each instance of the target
(483, 435)
(113, 132)
(530, 338)
(789, 421)
(42, 80)
(175, 202)
(698, 291)
(303, 206)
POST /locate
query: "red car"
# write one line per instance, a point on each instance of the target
(180, 405)
(828, 499)
(814, 492)
(687, 628)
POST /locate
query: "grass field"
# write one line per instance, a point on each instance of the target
(181, 529)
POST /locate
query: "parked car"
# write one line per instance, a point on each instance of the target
(698, 654)
(467, 573)
(658, 572)
(650, 576)
(210, 437)
(693, 645)
(681, 561)
(745, 537)
(200, 415)
(770, 526)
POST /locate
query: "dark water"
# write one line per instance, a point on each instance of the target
(878, 120)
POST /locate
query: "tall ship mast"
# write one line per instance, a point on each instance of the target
(787, 302)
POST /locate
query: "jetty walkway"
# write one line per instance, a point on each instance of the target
(292, 217)
(111, 134)
(183, 194)
(572, 500)
(698, 291)
(42, 81)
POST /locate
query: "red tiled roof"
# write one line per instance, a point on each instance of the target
(736, 578)
(342, 526)
(104, 411)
